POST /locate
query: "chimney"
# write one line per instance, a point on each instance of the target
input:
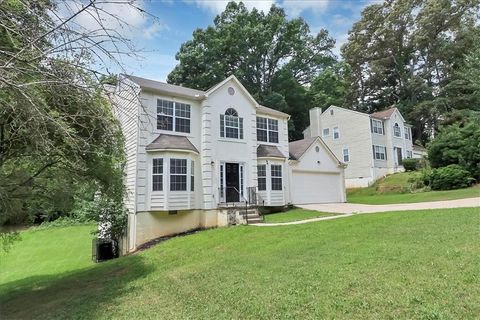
(315, 122)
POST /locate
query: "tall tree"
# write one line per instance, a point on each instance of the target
(405, 52)
(260, 50)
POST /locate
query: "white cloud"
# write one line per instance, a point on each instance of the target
(126, 17)
(217, 6)
(295, 7)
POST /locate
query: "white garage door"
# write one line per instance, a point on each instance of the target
(310, 187)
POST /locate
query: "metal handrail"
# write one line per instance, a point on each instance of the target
(240, 197)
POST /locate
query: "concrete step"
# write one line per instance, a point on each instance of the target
(255, 220)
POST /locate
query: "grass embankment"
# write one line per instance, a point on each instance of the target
(422, 265)
(295, 215)
(395, 188)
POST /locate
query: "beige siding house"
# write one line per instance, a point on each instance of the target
(199, 159)
(373, 145)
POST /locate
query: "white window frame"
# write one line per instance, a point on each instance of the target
(377, 126)
(275, 176)
(263, 177)
(397, 126)
(347, 154)
(379, 150)
(408, 134)
(180, 174)
(270, 124)
(174, 115)
(409, 154)
(224, 118)
(327, 134)
(336, 130)
(158, 174)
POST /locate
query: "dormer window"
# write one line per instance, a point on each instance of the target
(173, 116)
(396, 130)
(231, 125)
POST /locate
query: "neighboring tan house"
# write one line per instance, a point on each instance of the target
(373, 145)
(198, 159)
(419, 152)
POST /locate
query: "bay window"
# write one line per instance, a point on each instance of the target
(276, 172)
(157, 174)
(262, 177)
(178, 174)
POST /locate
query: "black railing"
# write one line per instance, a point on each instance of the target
(231, 195)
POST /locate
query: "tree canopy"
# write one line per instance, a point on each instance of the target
(268, 53)
(409, 53)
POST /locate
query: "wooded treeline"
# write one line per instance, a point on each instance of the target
(421, 56)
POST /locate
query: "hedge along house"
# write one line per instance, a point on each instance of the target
(194, 158)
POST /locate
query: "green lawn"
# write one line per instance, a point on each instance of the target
(392, 189)
(294, 215)
(404, 265)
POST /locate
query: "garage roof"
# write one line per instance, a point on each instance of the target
(299, 147)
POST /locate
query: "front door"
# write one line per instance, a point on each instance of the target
(232, 178)
(399, 156)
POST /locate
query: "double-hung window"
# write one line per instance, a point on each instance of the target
(326, 132)
(262, 177)
(173, 116)
(377, 126)
(267, 130)
(178, 174)
(379, 153)
(157, 174)
(231, 125)
(407, 133)
(409, 154)
(276, 171)
(396, 130)
(336, 133)
(346, 155)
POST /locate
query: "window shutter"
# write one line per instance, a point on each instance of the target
(222, 125)
(385, 148)
(240, 125)
(373, 150)
(371, 125)
(383, 128)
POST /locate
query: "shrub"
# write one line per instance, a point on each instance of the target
(449, 177)
(411, 164)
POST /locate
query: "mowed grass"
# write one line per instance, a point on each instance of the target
(392, 189)
(399, 265)
(294, 215)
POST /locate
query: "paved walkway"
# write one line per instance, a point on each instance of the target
(349, 209)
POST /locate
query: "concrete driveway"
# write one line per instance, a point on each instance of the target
(349, 208)
(345, 210)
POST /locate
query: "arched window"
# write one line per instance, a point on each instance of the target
(396, 130)
(231, 125)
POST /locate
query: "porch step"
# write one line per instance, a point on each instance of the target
(255, 220)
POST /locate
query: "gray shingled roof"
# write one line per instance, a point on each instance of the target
(298, 148)
(385, 114)
(168, 141)
(263, 109)
(264, 151)
(167, 88)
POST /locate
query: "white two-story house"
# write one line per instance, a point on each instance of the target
(194, 155)
(373, 145)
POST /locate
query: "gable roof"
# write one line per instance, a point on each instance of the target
(273, 112)
(171, 142)
(237, 82)
(265, 151)
(298, 148)
(167, 88)
(385, 114)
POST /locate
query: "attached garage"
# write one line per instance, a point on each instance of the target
(316, 175)
(316, 187)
